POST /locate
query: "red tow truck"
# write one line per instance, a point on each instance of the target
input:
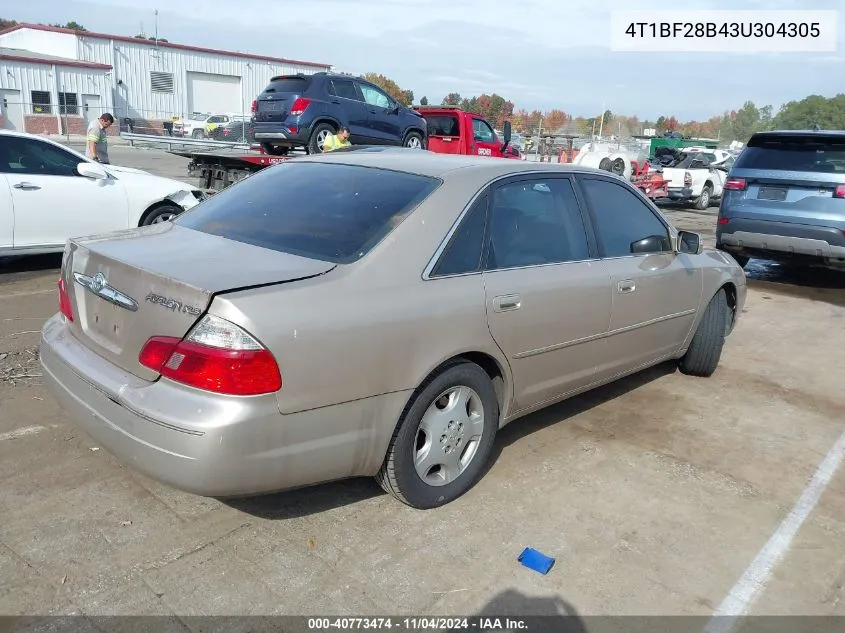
(450, 131)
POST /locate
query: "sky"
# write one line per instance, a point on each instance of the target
(539, 54)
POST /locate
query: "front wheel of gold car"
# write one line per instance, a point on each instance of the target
(444, 439)
(705, 350)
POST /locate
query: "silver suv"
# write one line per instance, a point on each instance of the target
(784, 199)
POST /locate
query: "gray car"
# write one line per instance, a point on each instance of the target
(784, 199)
(373, 314)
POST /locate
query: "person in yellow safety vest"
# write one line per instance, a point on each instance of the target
(336, 141)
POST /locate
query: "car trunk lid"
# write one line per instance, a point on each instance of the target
(158, 283)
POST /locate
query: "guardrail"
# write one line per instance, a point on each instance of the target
(171, 141)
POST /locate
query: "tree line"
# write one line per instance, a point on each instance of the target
(734, 125)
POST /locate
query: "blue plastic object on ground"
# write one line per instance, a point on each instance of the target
(535, 560)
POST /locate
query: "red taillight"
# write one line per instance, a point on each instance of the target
(735, 184)
(839, 192)
(226, 132)
(236, 364)
(687, 179)
(64, 301)
(293, 129)
(724, 220)
(299, 106)
(254, 106)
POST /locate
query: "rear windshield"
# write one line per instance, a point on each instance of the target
(296, 85)
(442, 125)
(331, 212)
(797, 153)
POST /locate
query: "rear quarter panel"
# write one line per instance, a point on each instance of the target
(373, 327)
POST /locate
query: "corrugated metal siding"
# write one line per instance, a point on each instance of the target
(46, 43)
(27, 77)
(133, 62)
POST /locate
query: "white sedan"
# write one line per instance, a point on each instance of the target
(49, 193)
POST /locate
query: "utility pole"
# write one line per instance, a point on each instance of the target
(601, 124)
(156, 28)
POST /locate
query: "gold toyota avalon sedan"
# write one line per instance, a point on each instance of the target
(379, 313)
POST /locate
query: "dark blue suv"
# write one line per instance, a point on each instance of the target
(302, 110)
(784, 199)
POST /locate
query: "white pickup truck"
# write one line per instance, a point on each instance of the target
(697, 175)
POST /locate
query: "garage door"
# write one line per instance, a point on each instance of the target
(214, 93)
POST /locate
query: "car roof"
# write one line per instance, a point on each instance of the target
(820, 133)
(443, 166)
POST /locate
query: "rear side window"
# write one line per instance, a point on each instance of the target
(297, 85)
(463, 253)
(335, 213)
(794, 153)
(344, 88)
(442, 125)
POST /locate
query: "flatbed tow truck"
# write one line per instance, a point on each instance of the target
(218, 169)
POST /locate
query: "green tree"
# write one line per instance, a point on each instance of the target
(452, 99)
(424, 101)
(745, 122)
(405, 97)
(6, 24)
(827, 113)
(660, 125)
(73, 25)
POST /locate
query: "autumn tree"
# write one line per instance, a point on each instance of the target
(553, 120)
(405, 97)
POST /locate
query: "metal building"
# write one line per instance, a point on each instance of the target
(54, 80)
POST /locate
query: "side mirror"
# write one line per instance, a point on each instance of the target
(689, 242)
(506, 133)
(650, 244)
(92, 170)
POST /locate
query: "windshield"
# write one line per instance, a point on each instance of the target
(198, 117)
(324, 211)
(794, 153)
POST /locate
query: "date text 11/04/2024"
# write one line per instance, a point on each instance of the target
(728, 29)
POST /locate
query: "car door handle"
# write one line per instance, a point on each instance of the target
(336, 102)
(26, 186)
(506, 303)
(626, 287)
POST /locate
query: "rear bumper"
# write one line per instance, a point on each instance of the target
(276, 132)
(680, 193)
(207, 444)
(786, 238)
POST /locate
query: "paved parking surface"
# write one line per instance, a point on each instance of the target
(655, 495)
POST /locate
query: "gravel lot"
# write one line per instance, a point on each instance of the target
(655, 495)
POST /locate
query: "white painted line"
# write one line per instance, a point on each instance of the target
(757, 575)
(22, 432)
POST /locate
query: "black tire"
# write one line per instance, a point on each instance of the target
(161, 213)
(313, 146)
(705, 350)
(398, 475)
(411, 137)
(273, 150)
(705, 199)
